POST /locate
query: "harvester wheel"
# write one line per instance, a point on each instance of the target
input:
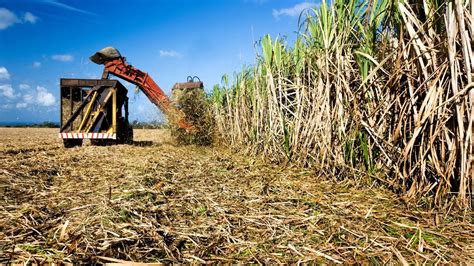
(125, 133)
(99, 142)
(129, 139)
(103, 142)
(71, 143)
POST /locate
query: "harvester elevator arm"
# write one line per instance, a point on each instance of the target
(116, 65)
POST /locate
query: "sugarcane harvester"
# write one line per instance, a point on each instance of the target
(97, 109)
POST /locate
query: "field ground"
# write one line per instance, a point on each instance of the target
(155, 201)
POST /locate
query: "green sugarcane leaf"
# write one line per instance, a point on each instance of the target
(277, 53)
(267, 49)
(298, 56)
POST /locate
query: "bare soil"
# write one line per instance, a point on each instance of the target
(155, 201)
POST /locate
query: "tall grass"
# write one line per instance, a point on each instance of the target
(378, 88)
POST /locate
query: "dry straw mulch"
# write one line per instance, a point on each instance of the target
(168, 203)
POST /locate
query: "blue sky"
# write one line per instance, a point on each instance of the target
(44, 40)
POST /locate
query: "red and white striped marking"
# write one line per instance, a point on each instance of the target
(87, 136)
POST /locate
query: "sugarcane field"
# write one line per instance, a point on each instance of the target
(237, 132)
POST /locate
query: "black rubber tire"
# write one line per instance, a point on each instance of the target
(102, 142)
(124, 132)
(129, 139)
(71, 143)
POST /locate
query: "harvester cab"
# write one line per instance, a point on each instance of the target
(97, 109)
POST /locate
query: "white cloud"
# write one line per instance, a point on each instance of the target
(28, 98)
(7, 91)
(43, 97)
(30, 18)
(4, 73)
(21, 105)
(24, 87)
(292, 11)
(67, 7)
(170, 53)
(36, 64)
(8, 18)
(62, 57)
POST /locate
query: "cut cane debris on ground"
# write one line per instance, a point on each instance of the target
(159, 202)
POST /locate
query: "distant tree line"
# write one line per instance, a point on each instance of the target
(148, 125)
(46, 124)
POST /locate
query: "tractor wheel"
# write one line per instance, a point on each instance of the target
(124, 132)
(101, 142)
(129, 138)
(71, 143)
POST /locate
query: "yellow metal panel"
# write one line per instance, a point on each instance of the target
(99, 109)
(88, 111)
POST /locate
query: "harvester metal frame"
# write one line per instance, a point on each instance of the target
(92, 109)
